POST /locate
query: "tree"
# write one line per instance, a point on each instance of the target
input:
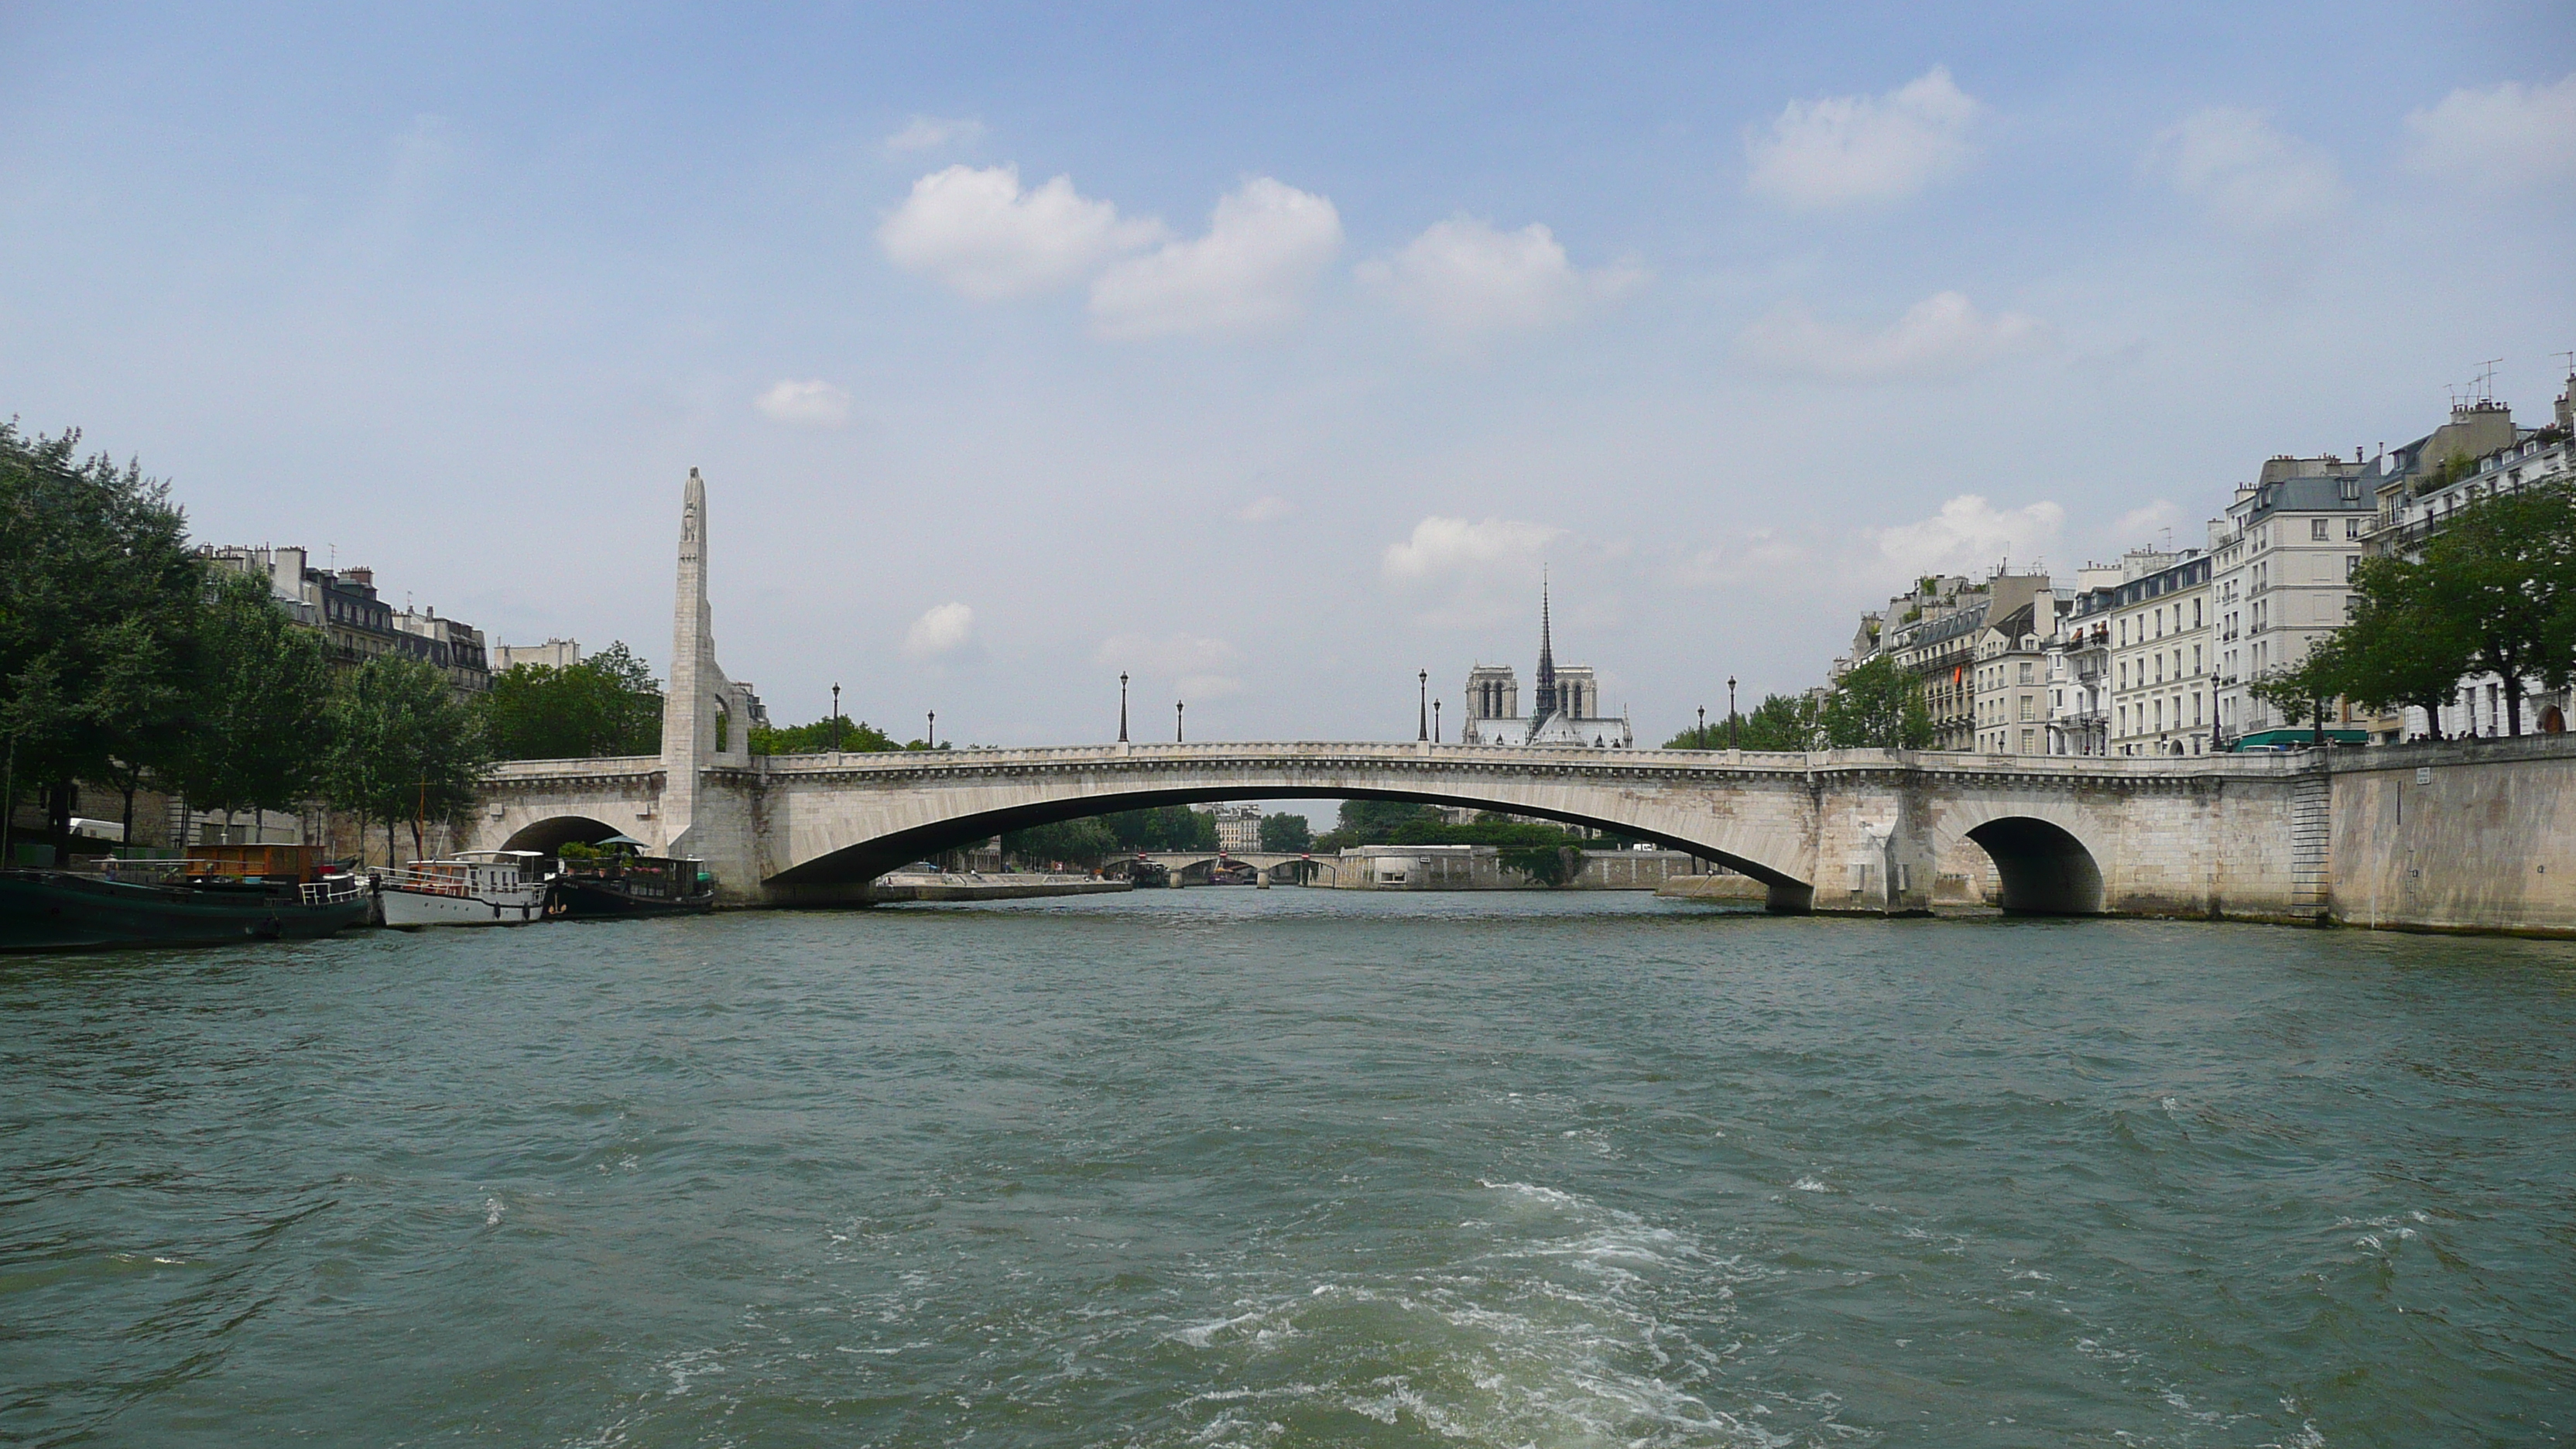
(2400, 649)
(258, 730)
(1167, 827)
(405, 747)
(1075, 842)
(608, 704)
(822, 737)
(1779, 722)
(1287, 832)
(1373, 822)
(2502, 573)
(97, 587)
(1877, 706)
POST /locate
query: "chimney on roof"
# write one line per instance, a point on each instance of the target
(364, 578)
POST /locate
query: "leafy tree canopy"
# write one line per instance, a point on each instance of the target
(405, 746)
(1779, 722)
(1287, 831)
(822, 737)
(1877, 706)
(258, 733)
(609, 704)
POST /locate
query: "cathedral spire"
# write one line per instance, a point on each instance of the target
(1546, 703)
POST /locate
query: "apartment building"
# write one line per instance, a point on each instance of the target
(2011, 675)
(2285, 556)
(2163, 695)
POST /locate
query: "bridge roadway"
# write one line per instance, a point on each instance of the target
(1846, 831)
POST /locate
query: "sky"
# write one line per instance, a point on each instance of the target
(1267, 354)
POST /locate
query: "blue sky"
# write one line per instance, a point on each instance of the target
(1277, 396)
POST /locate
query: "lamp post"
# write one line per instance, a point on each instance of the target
(836, 719)
(1422, 705)
(1178, 735)
(933, 741)
(1435, 721)
(1122, 706)
(1703, 726)
(1730, 711)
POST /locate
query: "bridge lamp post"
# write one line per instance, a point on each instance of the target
(1422, 706)
(1178, 735)
(933, 740)
(836, 719)
(1122, 706)
(1730, 711)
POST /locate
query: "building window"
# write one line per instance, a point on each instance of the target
(2352, 528)
(2195, 613)
(2025, 672)
(2317, 529)
(2351, 563)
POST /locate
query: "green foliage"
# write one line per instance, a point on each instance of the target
(1287, 832)
(257, 735)
(1877, 706)
(2494, 593)
(1373, 822)
(1074, 842)
(2445, 473)
(404, 746)
(608, 704)
(1168, 827)
(822, 737)
(99, 601)
(1779, 722)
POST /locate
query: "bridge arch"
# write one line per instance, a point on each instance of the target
(555, 831)
(2045, 870)
(1752, 847)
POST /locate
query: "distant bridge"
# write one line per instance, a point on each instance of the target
(1845, 830)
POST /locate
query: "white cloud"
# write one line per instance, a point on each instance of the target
(1263, 248)
(932, 133)
(977, 231)
(2504, 136)
(1268, 508)
(1761, 554)
(1453, 545)
(815, 404)
(1850, 149)
(2251, 177)
(1943, 335)
(1193, 662)
(1465, 276)
(944, 629)
(2144, 522)
(1967, 535)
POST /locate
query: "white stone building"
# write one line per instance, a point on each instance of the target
(2163, 665)
(2282, 578)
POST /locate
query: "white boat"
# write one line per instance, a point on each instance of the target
(472, 888)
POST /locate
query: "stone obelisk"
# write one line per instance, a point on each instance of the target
(689, 704)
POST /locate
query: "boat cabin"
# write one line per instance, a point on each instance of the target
(273, 864)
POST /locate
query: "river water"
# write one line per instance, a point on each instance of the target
(1294, 1167)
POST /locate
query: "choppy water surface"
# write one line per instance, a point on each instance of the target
(1292, 1167)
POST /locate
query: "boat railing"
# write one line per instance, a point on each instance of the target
(428, 883)
(332, 890)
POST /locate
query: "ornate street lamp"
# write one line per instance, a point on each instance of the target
(933, 741)
(1177, 706)
(1435, 721)
(836, 719)
(1730, 711)
(1422, 705)
(1122, 706)
(1703, 726)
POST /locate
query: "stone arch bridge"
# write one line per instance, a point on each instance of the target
(1858, 830)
